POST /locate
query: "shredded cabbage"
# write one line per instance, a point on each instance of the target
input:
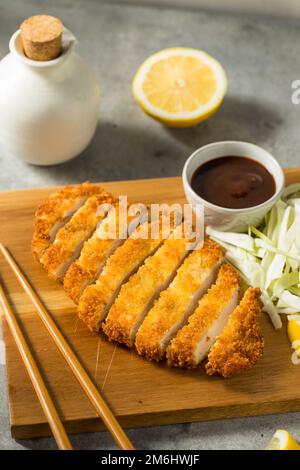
(269, 256)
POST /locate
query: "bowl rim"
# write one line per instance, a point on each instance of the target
(279, 177)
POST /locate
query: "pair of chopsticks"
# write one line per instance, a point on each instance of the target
(80, 373)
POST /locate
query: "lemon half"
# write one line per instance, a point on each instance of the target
(294, 333)
(180, 86)
(282, 440)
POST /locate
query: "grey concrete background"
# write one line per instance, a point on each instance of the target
(286, 9)
(261, 58)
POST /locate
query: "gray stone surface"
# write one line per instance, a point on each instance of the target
(261, 58)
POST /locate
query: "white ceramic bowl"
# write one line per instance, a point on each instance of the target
(222, 218)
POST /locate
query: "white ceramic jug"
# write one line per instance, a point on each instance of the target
(48, 110)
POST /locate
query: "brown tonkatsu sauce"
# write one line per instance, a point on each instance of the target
(233, 182)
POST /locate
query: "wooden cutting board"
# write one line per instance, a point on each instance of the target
(140, 393)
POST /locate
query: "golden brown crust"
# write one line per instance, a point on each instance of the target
(237, 348)
(180, 352)
(126, 258)
(77, 277)
(71, 236)
(56, 210)
(109, 235)
(93, 254)
(240, 345)
(170, 309)
(135, 296)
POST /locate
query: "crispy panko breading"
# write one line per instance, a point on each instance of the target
(70, 238)
(192, 343)
(97, 299)
(137, 295)
(55, 211)
(110, 234)
(177, 302)
(240, 345)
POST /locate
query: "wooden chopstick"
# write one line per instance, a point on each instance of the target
(38, 383)
(80, 373)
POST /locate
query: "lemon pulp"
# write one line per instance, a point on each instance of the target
(282, 440)
(294, 334)
(180, 86)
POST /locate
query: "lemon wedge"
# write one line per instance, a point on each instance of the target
(294, 334)
(282, 440)
(180, 86)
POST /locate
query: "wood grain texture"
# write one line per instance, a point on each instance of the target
(140, 393)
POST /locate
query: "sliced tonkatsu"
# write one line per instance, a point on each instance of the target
(177, 302)
(137, 295)
(240, 345)
(55, 211)
(193, 342)
(97, 298)
(71, 237)
(147, 282)
(110, 234)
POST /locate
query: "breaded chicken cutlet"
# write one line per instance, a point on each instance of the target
(137, 295)
(177, 302)
(97, 298)
(97, 249)
(153, 289)
(70, 238)
(55, 211)
(240, 345)
(193, 342)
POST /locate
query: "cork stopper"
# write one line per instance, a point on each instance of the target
(42, 37)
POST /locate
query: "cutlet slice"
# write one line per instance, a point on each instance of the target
(137, 295)
(193, 342)
(97, 298)
(240, 345)
(71, 237)
(178, 301)
(110, 234)
(55, 212)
